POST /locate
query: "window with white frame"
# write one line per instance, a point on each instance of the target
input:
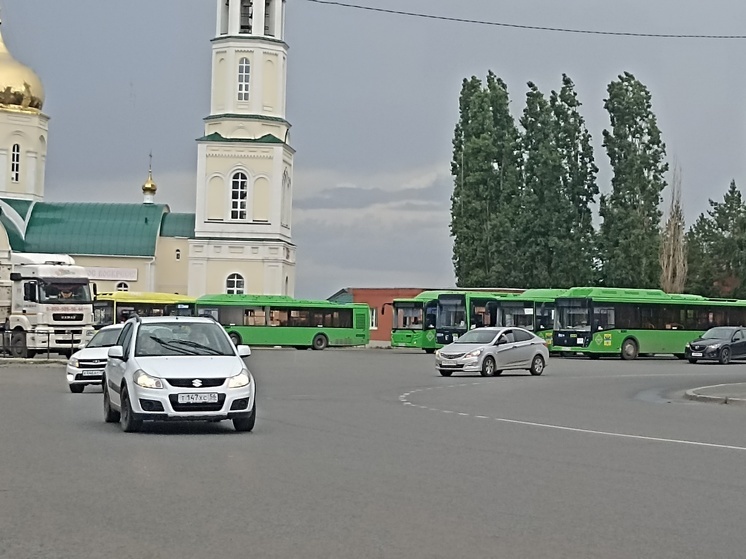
(123, 286)
(239, 194)
(244, 79)
(234, 285)
(15, 163)
(178, 254)
(247, 15)
(374, 319)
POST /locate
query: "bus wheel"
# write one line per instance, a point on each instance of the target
(629, 349)
(320, 342)
(593, 356)
(235, 338)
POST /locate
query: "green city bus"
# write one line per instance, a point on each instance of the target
(413, 322)
(278, 320)
(459, 312)
(597, 321)
(534, 310)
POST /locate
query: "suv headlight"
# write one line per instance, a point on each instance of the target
(141, 378)
(473, 354)
(74, 363)
(714, 346)
(240, 380)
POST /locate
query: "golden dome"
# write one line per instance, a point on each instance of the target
(149, 187)
(20, 87)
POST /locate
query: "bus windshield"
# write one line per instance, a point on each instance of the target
(407, 316)
(451, 313)
(573, 318)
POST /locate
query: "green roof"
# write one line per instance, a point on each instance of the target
(217, 137)
(14, 235)
(20, 206)
(178, 225)
(268, 300)
(95, 229)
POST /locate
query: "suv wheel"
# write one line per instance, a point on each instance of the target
(246, 424)
(128, 421)
(110, 415)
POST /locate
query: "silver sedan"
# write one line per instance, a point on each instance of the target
(490, 351)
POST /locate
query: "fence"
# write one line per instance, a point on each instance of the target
(8, 349)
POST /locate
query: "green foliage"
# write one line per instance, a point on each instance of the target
(629, 242)
(486, 170)
(717, 248)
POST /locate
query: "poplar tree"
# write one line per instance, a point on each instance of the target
(673, 243)
(629, 241)
(717, 248)
(540, 217)
(577, 191)
(485, 172)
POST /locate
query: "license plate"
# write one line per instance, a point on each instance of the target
(448, 362)
(95, 373)
(696, 354)
(210, 398)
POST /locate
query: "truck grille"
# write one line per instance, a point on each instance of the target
(61, 317)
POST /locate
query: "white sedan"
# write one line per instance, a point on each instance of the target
(490, 351)
(86, 366)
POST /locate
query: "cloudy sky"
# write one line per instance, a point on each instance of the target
(373, 101)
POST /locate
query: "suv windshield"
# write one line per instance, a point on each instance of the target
(719, 333)
(105, 338)
(182, 338)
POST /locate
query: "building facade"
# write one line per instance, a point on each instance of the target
(238, 240)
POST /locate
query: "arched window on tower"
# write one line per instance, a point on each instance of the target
(15, 163)
(178, 254)
(244, 79)
(123, 286)
(247, 14)
(239, 193)
(234, 285)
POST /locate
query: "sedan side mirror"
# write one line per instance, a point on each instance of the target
(243, 350)
(116, 352)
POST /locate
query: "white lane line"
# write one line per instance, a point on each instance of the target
(620, 435)
(586, 431)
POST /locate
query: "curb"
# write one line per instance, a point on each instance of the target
(693, 395)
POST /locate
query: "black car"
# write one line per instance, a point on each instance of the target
(720, 344)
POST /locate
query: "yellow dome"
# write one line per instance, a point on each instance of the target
(19, 85)
(149, 187)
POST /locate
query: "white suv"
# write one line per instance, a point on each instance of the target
(177, 368)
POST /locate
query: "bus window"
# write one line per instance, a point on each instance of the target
(278, 317)
(254, 317)
(603, 318)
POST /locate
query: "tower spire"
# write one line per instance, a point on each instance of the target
(149, 188)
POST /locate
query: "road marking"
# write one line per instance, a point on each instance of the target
(578, 429)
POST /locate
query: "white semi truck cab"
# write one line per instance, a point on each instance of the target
(46, 304)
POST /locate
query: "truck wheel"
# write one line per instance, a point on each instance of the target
(18, 345)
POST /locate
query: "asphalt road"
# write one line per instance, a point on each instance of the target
(372, 454)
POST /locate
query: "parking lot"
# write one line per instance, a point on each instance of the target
(371, 453)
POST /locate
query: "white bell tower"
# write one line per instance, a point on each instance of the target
(243, 240)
